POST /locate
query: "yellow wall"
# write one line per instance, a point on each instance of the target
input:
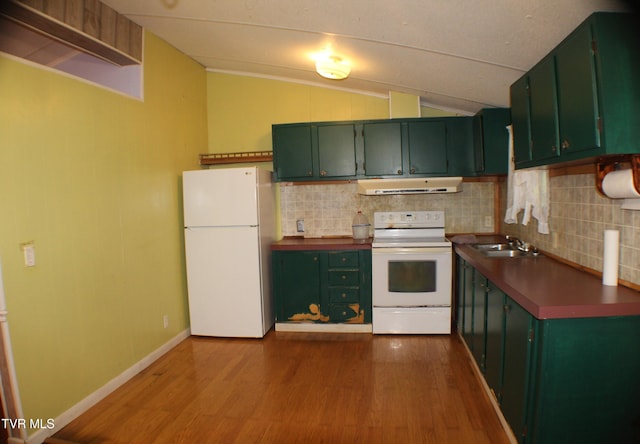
(242, 109)
(403, 105)
(93, 179)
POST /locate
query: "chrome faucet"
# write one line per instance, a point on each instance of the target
(520, 244)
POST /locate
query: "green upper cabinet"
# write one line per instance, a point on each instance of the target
(520, 118)
(491, 141)
(420, 147)
(460, 154)
(311, 151)
(544, 111)
(294, 157)
(383, 148)
(581, 100)
(578, 112)
(336, 150)
(427, 147)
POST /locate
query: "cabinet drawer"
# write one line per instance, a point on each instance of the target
(341, 312)
(337, 294)
(344, 277)
(343, 259)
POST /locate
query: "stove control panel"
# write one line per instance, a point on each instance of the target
(409, 219)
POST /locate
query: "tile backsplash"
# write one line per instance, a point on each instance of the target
(578, 217)
(328, 210)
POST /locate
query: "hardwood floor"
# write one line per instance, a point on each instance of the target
(299, 387)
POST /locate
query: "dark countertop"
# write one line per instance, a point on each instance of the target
(323, 243)
(549, 289)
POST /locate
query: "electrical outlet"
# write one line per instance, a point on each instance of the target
(165, 321)
(555, 239)
(488, 222)
(300, 225)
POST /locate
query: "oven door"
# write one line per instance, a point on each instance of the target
(411, 277)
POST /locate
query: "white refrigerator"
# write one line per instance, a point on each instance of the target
(229, 218)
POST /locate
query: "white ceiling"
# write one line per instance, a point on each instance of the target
(459, 55)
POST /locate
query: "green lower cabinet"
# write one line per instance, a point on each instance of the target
(516, 360)
(296, 285)
(479, 295)
(466, 304)
(587, 381)
(322, 286)
(494, 339)
(556, 380)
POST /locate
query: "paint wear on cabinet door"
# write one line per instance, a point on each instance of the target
(322, 286)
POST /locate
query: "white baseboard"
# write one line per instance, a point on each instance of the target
(88, 402)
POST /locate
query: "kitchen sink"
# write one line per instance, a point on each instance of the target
(493, 247)
(505, 250)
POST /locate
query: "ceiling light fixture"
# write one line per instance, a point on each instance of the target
(333, 67)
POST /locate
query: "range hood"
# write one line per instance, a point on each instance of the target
(422, 185)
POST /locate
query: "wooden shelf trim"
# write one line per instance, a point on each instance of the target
(226, 158)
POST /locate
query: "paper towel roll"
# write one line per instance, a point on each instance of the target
(610, 257)
(619, 185)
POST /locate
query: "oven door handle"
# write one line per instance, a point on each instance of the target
(411, 250)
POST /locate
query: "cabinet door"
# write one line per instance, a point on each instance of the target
(577, 97)
(516, 372)
(427, 147)
(383, 149)
(479, 318)
(460, 158)
(491, 141)
(494, 339)
(297, 286)
(293, 157)
(467, 308)
(544, 111)
(521, 121)
(292, 150)
(461, 269)
(336, 151)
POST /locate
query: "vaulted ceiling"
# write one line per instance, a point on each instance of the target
(459, 55)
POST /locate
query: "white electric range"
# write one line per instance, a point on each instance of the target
(411, 273)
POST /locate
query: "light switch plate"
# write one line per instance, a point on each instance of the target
(29, 252)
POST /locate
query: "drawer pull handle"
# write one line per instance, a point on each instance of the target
(344, 295)
(344, 277)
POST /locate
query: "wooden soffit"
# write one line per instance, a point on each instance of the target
(88, 25)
